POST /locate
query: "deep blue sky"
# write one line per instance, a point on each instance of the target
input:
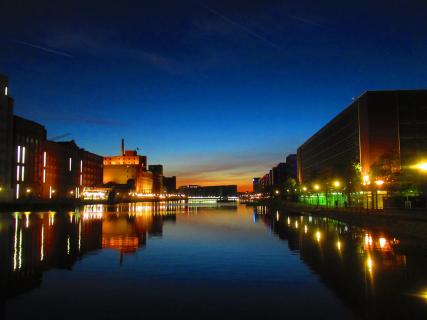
(217, 91)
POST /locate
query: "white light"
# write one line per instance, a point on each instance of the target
(81, 166)
(22, 173)
(44, 175)
(5, 91)
(17, 191)
(23, 154)
(50, 192)
(71, 162)
(17, 173)
(44, 159)
(18, 154)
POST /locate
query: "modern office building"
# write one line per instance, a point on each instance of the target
(378, 126)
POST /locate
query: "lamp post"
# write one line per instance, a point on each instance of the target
(317, 188)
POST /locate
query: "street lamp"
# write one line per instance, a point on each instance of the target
(337, 184)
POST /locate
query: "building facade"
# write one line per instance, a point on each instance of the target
(6, 134)
(378, 127)
(31, 167)
(169, 184)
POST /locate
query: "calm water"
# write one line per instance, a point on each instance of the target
(175, 261)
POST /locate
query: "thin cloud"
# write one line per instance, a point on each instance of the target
(242, 27)
(45, 49)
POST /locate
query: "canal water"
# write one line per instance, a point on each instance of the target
(202, 261)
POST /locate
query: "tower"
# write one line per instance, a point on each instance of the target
(6, 137)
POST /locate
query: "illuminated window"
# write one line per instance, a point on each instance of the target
(23, 154)
(18, 154)
(70, 164)
(22, 173)
(5, 91)
(17, 172)
(17, 191)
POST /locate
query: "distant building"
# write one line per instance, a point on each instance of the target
(292, 166)
(124, 168)
(256, 187)
(209, 191)
(169, 184)
(128, 171)
(378, 126)
(280, 176)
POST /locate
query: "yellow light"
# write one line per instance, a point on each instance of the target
(304, 188)
(277, 191)
(337, 184)
(318, 236)
(382, 242)
(379, 182)
(316, 187)
(71, 192)
(305, 229)
(422, 166)
(339, 245)
(366, 180)
(28, 190)
(296, 224)
(369, 263)
(289, 221)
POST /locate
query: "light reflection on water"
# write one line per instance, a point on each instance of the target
(201, 261)
(366, 269)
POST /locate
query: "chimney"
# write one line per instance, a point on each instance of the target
(123, 147)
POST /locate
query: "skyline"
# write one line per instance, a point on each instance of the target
(216, 92)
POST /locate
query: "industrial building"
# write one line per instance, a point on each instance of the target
(129, 173)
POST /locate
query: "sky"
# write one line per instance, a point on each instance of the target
(216, 91)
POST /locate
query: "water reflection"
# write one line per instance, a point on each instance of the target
(365, 269)
(32, 243)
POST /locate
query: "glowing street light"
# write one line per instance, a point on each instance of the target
(422, 166)
(379, 183)
(277, 191)
(337, 184)
(316, 187)
(304, 188)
